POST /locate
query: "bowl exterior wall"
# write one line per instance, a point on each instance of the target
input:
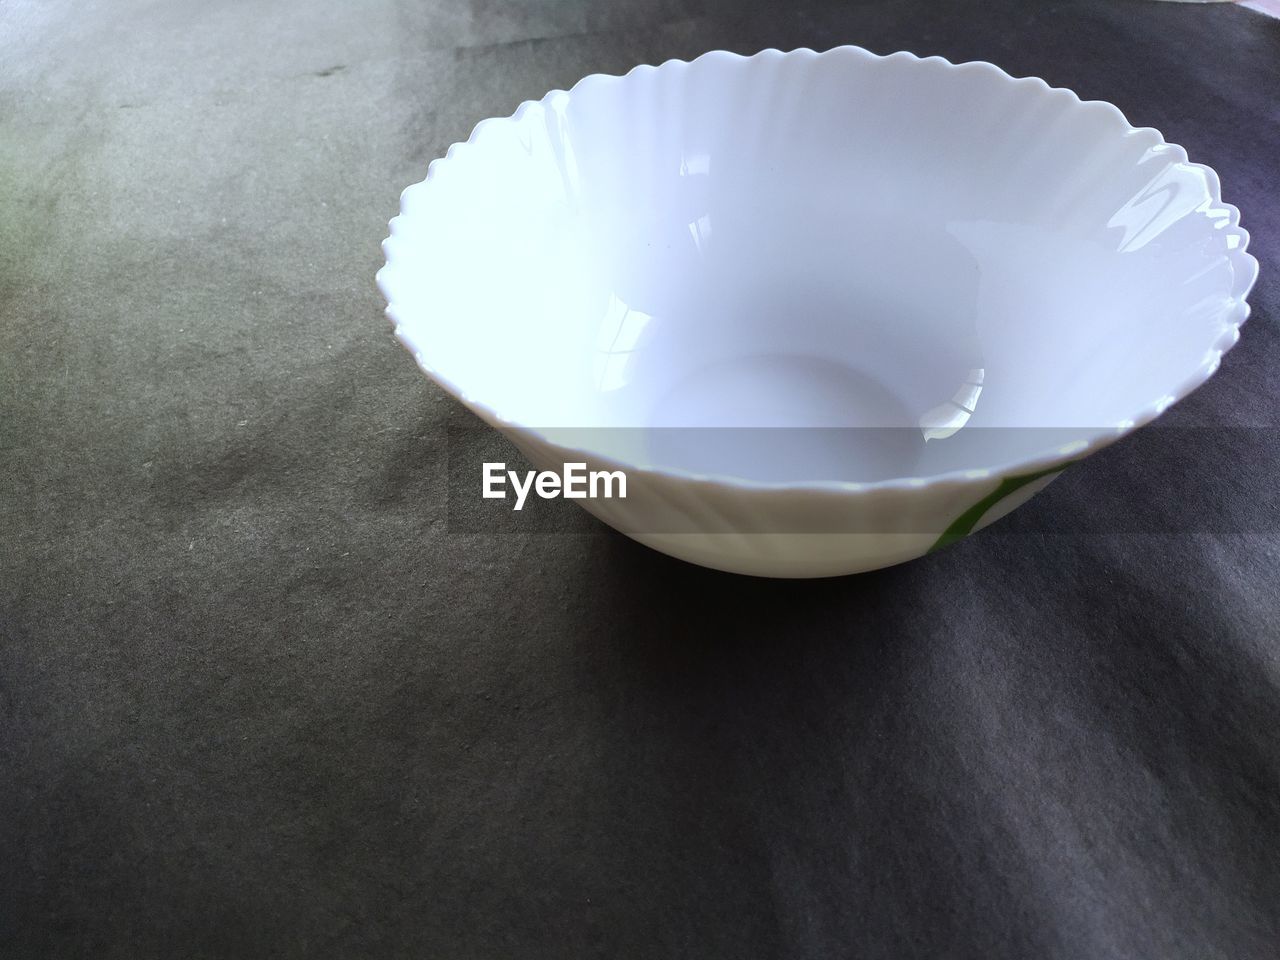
(790, 533)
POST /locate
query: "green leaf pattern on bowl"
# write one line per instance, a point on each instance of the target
(964, 524)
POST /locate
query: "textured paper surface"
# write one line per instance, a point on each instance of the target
(258, 699)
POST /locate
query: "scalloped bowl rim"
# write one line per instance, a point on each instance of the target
(1243, 264)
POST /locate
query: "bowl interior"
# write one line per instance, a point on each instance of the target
(888, 267)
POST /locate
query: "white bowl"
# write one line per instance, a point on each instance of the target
(827, 311)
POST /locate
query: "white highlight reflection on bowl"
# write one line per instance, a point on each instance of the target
(935, 282)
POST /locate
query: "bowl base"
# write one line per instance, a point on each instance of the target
(824, 422)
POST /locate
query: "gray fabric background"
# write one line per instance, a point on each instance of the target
(257, 699)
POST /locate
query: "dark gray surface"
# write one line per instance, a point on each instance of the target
(257, 700)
